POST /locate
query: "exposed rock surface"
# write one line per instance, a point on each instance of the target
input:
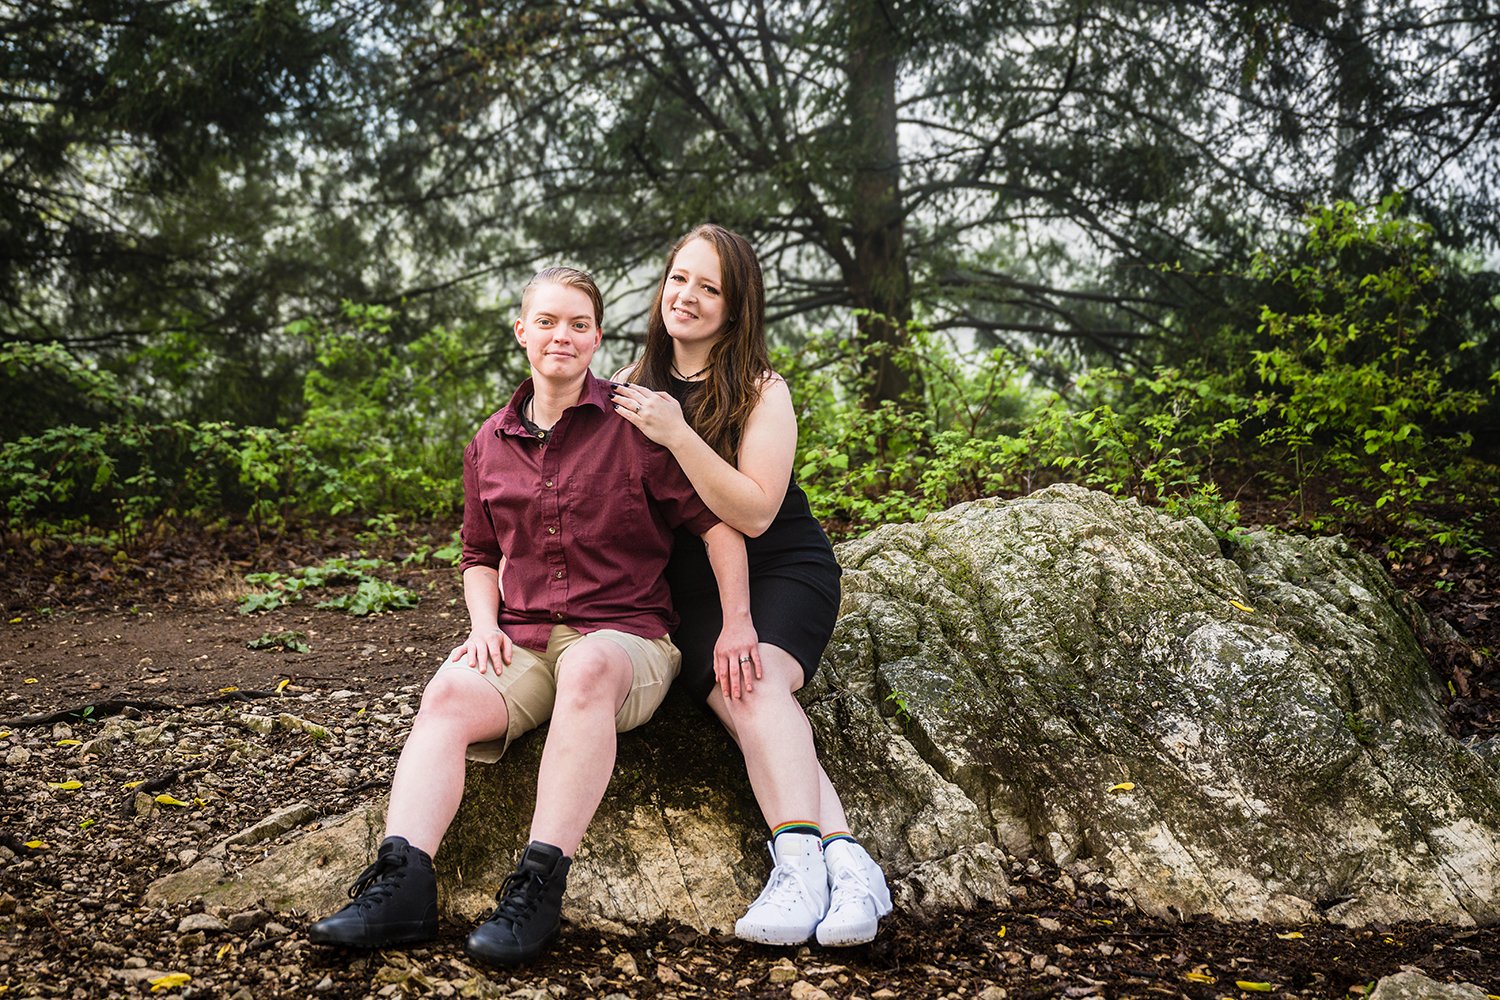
(1066, 675)
(1412, 985)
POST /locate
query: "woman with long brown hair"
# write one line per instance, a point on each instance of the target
(704, 389)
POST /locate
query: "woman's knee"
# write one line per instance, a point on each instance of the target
(459, 698)
(593, 673)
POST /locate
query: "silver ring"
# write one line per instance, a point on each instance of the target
(744, 659)
(638, 407)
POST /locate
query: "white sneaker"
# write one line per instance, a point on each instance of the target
(795, 897)
(859, 896)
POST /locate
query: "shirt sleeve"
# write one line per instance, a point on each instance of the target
(674, 494)
(480, 546)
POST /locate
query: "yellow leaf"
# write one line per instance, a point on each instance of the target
(86, 824)
(16, 620)
(133, 784)
(30, 680)
(1001, 931)
(170, 981)
(66, 786)
(224, 950)
(1199, 977)
(1291, 936)
(37, 845)
(1253, 987)
(1124, 786)
(200, 802)
(167, 800)
(4, 735)
(69, 743)
(230, 689)
(1243, 607)
(282, 685)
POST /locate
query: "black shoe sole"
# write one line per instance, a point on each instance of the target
(508, 957)
(417, 935)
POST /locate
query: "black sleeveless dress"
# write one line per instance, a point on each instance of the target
(794, 587)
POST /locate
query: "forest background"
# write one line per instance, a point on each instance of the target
(258, 260)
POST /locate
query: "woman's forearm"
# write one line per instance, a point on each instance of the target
(482, 596)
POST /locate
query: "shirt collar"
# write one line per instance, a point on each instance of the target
(595, 393)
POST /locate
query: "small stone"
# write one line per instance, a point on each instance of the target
(746, 982)
(804, 990)
(201, 922)
(345, 777)
(243, 993)
(275, 930)
(188, 942)
(1052, 970)
(1048, 924)
(783, 972)
(246, 920)
(145, 803)
(1063, 950)
(7, 904)
(17, 756)
(323, 985)
(1106, 949)
(62, 731)
(187, 856)
(667, 975)
(1038, 963)
(883, 994)
(107, 950)
(134, 962)
(992, 993)
(625, 962)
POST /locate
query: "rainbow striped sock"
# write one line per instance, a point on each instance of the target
(838, 835)
(796, 826)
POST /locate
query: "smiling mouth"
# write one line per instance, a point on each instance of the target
(682, 313)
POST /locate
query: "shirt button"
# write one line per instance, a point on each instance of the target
(559, 574)
(551, 530)
(548, 484)
(557, 616)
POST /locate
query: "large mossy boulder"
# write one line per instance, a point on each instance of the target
(1254, 734)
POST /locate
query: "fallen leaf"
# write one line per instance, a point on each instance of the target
(280, 687)
(133, 784)
(1253, 987)
(69, 743)
(170, 981)
(30, 680)
(86, 824)
(1001, 931)
(1124, 786)
(4, 735)
(1290, 936)
(66, 786)
(1199, 977)
(168, 800)
(224, 950)
(229, 690)
(16, 621)
(1243, 607)
(37, 845)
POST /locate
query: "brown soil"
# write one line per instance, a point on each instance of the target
(157, 637)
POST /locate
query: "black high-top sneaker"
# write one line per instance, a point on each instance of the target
(395, 902)
(529, 913)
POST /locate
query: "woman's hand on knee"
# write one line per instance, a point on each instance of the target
(737, 657)
(484, 648)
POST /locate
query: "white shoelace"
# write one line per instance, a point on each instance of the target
(786, 888)
(857, 891)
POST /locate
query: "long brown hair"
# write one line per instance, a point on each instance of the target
(738, 360)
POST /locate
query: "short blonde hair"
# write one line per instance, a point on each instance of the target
(569, 277)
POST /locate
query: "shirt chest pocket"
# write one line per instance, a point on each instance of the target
(607, 508)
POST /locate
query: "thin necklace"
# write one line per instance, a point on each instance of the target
(689, 378)
(529, 412)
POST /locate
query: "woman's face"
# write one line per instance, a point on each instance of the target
(692, 300)
(559, 331)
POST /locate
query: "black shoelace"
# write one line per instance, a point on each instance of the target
(518, 896)
(377, 882)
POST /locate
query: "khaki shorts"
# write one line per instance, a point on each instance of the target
(529, 684)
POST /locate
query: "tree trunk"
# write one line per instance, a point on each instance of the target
(880, 285)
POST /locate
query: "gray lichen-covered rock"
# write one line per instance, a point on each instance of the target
(1064, 675)
(1255, 737)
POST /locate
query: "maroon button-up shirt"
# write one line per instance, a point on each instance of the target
(584, 520)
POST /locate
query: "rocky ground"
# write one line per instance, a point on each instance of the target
(139, 732)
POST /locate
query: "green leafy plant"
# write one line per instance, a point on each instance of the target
(371, 594)
(292, 641)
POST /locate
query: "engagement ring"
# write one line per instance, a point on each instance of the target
(744, 659)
